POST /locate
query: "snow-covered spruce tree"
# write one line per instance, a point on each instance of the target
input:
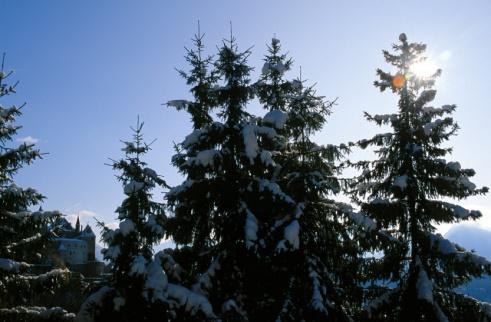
(320, 269)
(402, 190)
(227, 207)
(23, 233)
(141, 285)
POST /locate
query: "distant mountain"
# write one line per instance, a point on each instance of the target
(471, 237)
(98, 253)
(478, 239)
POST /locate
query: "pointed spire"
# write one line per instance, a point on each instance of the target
(77, 225)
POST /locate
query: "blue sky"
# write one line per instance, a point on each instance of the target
(88, 68)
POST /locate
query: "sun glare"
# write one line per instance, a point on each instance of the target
(424, 68)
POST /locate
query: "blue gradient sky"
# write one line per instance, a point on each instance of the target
(88, 68)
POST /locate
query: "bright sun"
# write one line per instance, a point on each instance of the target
(424, 68)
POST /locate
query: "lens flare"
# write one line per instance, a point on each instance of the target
(424, 68)
(398, 81)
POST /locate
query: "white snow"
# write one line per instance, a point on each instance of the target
(10, 266)
(438, 111)
(205, 279)
(486, 307)
(385, 118)
(251, 227)
(95, 299)
(112, 252)
(439, 313)
(413, 148)
(250, 142)
(266, 130)
(296, 84)
(138, 266)
(188, 183)
(424, 285)
(275, 190)
(204, 158)
(154, 226)
(118, 302)
(171, 267)
(428, 127)
(291, 234)
(126, 227)
(363, 221)
(38, 313)
(317, 299)
(267, 158)
(277, 118)
(268, 67)
(446, 247)
(401, 182)
(132, 187)
(459, 211)
(179, 104)
(229, 305)
(464, 181)
(377, 139)
(379, 301)
(454, 166)
(380, 201)
(192, 302)
(151, 173)
(130, 147)
(192, 138)
(299, 210)
(108, 235)
(156, 281)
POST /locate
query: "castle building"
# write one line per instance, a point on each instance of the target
(74, 248)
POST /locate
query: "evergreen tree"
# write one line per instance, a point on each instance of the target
(248, 222)
(402, 191)
(224, 209)
(318, 271)
(140, 286)
(23, 233)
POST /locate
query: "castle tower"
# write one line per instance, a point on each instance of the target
(89, 236)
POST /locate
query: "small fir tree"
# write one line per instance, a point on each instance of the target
(403, 189)
(24, 234)
(140, 287)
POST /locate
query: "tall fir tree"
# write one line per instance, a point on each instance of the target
(224, 209)
(141, 285)
(402, 191)
(318, 271)
(24, 234)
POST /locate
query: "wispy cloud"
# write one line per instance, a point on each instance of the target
(28, 139)
(113, 225)
(85, 217)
